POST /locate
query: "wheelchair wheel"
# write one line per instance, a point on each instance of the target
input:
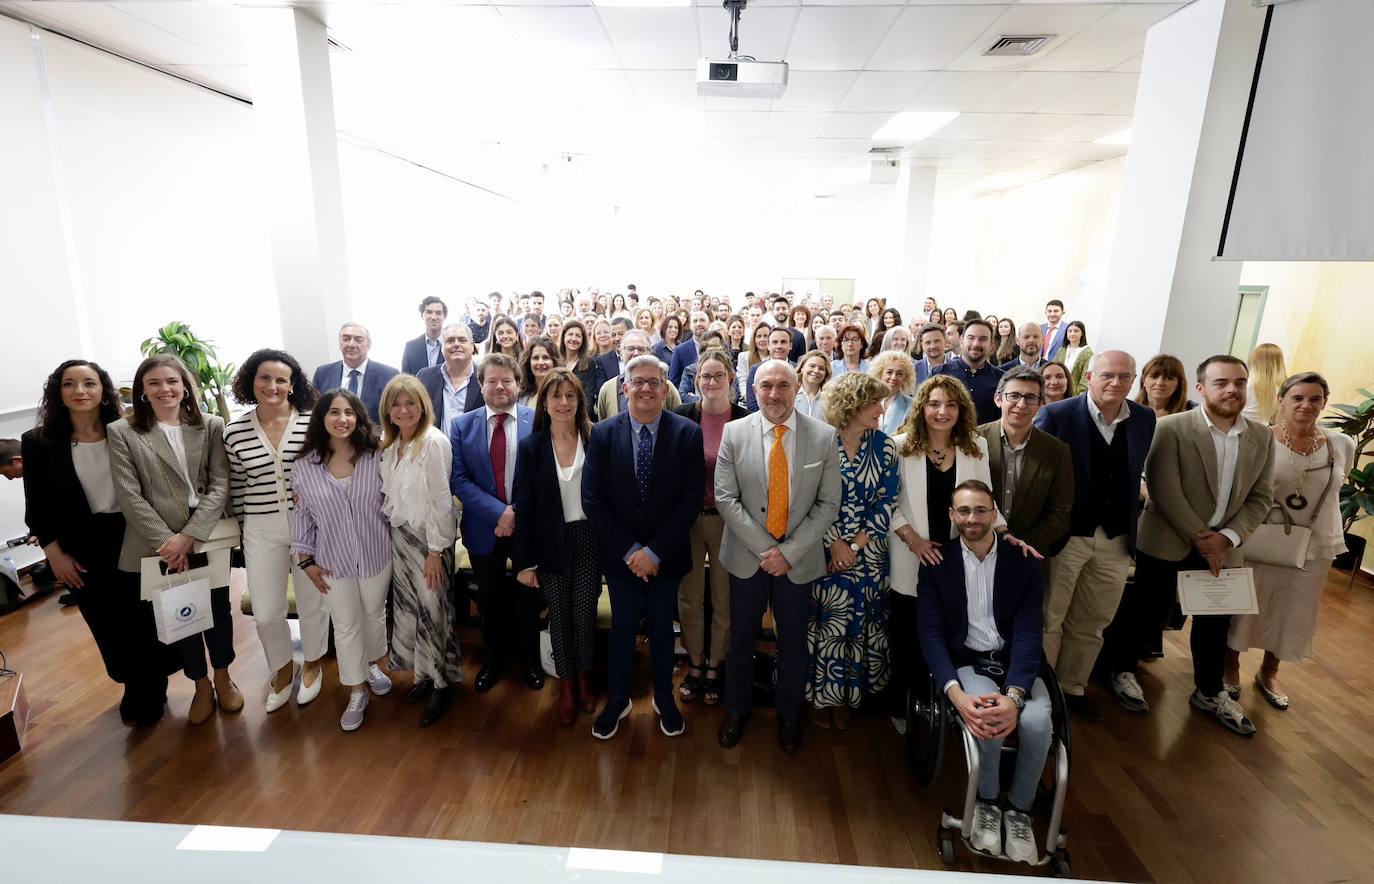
(1059, 865)
(944, 840)
(926, 727)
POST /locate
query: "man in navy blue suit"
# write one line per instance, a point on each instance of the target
(453, 384)
(426, 350)
(355, 372)
(685, 355)
(974, 371)
(484, 445)
(1029, 344)
(779, 346)
(611, 362)
(1108, 437)
(782, 318)
(933, 344)
(643, 483)
(1053, 330)
(978, 620)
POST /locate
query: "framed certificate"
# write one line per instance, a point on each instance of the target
(1230, 592)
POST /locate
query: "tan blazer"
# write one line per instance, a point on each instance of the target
(151, 492)
(1043, 498)
(1181, 473)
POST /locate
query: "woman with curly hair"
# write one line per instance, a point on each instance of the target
(939, 446)
(846, 636)
(898, 375)
(262, 445)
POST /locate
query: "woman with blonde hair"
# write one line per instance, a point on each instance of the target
(417, 460)
(846, 636)
(1267, 371)
(898, 374)
(756, 353)
(813, 372)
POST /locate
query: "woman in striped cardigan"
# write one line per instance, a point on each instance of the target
(262, 445)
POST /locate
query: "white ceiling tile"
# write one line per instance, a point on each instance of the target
(1031, 127)
(592, 90)
(231, 78)
(1125, 108)
(666, 89)
(715, 4)
(1033, 91)
(654, 38)
(734, 104)
(195, 22)
(571, 35)
(884, 90)
(814, 90)
(460, 37)
(1051, 167)
(1091, 128)
(936, 147)
(1045, 150)
(961, 2)
(782, 124)
(1096, 151)
(1103, 92)
(850, 125)
(960, 90)
(737, 124)
(838, 37)
(764, 32)
(103, 25)
(1105, 43)
(1132, 64)
(928, 38)
(1061, 21)
(972, 126)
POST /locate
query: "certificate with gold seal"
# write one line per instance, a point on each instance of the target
(1230, 592)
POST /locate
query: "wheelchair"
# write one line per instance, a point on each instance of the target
(931, 718)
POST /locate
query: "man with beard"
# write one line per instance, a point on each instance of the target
(973, 370)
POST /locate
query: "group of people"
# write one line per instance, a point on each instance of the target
(945, 517)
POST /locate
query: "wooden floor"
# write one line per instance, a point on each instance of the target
(1168, 797)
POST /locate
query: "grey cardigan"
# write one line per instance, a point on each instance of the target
(151, 492)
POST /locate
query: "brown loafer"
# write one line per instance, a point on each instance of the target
(227, 693)
(202, 706)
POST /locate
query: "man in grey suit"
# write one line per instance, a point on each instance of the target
(778, 490)
(1210, 476)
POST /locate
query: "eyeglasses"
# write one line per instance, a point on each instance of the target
(964, 512)
(1028, 398)
(1115, 377)
(635, 350)
(713, 378)
(645, 383)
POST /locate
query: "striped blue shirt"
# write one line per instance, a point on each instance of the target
(342, 527)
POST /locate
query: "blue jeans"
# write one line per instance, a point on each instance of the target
(656, 602)
(1035, 728)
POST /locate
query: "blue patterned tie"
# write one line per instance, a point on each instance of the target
(353, 381)
(644, 461)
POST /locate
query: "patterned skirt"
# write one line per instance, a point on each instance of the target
(846, 636)
(422, 636)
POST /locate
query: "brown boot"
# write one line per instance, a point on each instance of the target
(585, 693)
(203, 705)
(226, 692)
(567, 702)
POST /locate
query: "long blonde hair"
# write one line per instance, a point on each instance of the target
(410, 386)
(1267, 372)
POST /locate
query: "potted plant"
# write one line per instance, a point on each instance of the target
(201, 359)
(1357, 493)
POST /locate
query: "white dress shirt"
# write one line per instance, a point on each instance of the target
(789, 443)
(1105, 427)
(512, 439)
(1227, 445)
(570, 484)
(174, 439)
(978, 580)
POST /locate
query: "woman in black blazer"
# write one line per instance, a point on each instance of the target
(70, 506)
(555, 545)
(577, 348)
(715, 382)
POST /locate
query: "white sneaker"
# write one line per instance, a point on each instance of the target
(987, 828)
(1128, 692)
(1020, 837)
(353, 716)
(377, 680)
(1227, 711)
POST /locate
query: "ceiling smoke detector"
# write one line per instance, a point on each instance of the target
(1019, 45)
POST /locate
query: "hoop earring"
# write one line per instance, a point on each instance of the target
(143, 396)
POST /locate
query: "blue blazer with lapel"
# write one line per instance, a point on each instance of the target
(610, 368)
(1018, 593)
(684, 356)
(433, 379)
(923, 370)
(798, 346)
(677, 486)
(1016, 360)
(331, 376)
(1069, 421)
(416, 356)
(474, 483)
(1058, 335)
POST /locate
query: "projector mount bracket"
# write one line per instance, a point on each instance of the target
(736, 7)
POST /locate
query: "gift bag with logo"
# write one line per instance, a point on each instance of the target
(183, 610)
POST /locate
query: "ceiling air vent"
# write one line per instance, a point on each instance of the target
(1018, 45)
(885, 151)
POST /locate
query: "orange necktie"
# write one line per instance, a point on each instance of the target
(777, 486)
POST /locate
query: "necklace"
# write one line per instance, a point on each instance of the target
(1297, 500)
(939, 456)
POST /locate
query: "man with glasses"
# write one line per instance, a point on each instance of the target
(611, 399)
(643, 483)
(1108, 437)
(1032, 471)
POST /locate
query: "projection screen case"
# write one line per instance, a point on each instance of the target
(1304, 179)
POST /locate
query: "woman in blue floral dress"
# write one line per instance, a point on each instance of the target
(847, 634)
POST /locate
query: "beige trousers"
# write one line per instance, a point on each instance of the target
(1086, 582)
(691, 594)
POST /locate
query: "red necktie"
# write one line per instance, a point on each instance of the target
(498, 456)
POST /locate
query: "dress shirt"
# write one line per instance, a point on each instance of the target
(1049, 339)
(1105, 427)
(512, 440)
(1227, 445)
(344, 539)
(570, 484)
(174, 439)
(434, 351)
(978, 580)
(455, 398)
(1013, 459)
(635, 427)
(415, 488)
(362, 375)
(789, 443)
(92, 463)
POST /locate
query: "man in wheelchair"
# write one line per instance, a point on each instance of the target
(979, 615)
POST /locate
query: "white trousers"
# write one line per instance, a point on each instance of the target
(267, 554)
(358, 606)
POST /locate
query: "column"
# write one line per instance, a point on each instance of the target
(1165, 292)
(298, 162)
(918, 192)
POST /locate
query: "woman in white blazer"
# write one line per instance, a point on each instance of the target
(938, 447)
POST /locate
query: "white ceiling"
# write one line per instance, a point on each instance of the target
(447, 82)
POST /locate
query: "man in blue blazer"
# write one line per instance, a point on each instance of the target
(1108, 437)
(978, 621)
(1053, 330)
(685, 355)
(484, 446)
(1029, 344)
(355, 372)
(643, 483)
(453, 384)
(933, 345)
(428, 349)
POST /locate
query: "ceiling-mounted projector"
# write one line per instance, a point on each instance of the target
(740, 76)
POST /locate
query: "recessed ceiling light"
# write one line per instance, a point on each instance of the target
(911, 126)
(641, 3)
(1122, 137)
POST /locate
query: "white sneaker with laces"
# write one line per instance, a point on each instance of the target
(1227, 711)
(1128, 692)
(1020, 837)
(353, 716)
(377, 680)
(987, 828)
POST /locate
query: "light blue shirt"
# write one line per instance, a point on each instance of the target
(434, 351)
(455, 400)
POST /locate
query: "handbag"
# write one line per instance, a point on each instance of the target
(182, 611)
(1285, 543)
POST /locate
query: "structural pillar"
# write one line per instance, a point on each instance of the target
(918, 188)
(1165, 290)
(297, 157)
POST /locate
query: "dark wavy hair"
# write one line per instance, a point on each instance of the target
(143, 418)
(303, 394)
(363, 438)
(558, 377)
(584, 359)
(525, 376)
(55, 420)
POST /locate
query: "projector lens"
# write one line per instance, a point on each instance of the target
(721, 71)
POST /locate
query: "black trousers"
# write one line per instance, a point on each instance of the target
(791, 603)
(1157, 590)
(218, 640)
(510, 610)
(904, 650)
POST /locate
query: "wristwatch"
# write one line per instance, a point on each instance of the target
(853, 547)
(1017, 696)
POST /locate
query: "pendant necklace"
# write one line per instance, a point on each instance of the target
(1297, 501)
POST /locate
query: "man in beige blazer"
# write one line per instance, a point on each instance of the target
(777, 490)
(1209, 472)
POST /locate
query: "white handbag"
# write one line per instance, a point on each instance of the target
(183, 610)
(1284, 543)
